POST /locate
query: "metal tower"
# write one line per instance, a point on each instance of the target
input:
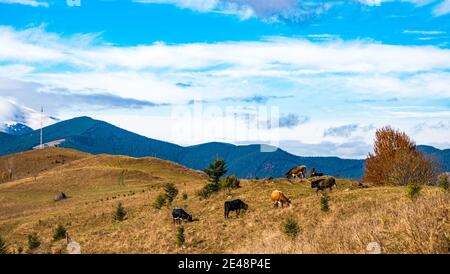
(42, 125)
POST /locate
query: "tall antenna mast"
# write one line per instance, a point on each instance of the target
(42, 125)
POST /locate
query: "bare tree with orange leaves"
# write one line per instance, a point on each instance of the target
(396, 160)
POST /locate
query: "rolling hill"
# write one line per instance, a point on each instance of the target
(30, 164)
(96, 184)
(96, 137)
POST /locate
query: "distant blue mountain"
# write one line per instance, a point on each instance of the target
(97, 137)
(18, 129)
(249, 162)
(5, 138)
(441, 156)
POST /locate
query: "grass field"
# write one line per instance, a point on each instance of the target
(96, 184)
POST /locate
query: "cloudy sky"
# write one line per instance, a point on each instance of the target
(313, 77)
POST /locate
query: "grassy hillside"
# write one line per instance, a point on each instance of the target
(97, 183)
(31, 163)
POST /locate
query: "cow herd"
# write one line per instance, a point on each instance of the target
(318, 182)
(300, 172)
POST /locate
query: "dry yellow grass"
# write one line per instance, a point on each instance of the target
(96, 184)
(30, 163)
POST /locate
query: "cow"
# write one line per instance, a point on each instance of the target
(278, 198)
(235, 205)
(324, 183)
(296, 172)
(313, 173)
(61, 196)
(180, 215)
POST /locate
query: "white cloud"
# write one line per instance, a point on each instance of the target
(281, 54)
(11, 112)
(198, 5)
(316, 80)
(292, 10)
(15, 71)
(421, 114)
(442, 9)
(13, 44)
(267, 10)
(32, 3)
(371, 2)
(424, 32)
(217, 6)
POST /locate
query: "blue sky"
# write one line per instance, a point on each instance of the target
(332, 71)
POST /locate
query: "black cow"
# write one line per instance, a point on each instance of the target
(61, 196)
(313, 173)
(180, 215)
(235, 205)
(323, 184)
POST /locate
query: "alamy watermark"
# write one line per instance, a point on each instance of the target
(199, 122)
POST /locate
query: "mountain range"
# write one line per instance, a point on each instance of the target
(16, 129)
(441, 156)
(98, 137)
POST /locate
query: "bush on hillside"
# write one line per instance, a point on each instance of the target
(324, 202)
(171, 192)
(208, 190)
(443, 181)
(231, 182)
(3, 246)
(291, 228)
(160, 201)
(180, 236)
(59, 233)
(413, 190)
(120, 214)
(33, 241)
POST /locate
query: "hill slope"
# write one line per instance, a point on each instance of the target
(31, 163)
(97, 183)
(96, 137)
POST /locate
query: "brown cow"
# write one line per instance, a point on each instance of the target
(323, 183)
(278, 198)
(296, 172)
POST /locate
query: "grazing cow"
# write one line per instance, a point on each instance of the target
(296, 172)
(278, 198)
(235, 205)
(61, 196)
(180, 215)
(324, 183)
